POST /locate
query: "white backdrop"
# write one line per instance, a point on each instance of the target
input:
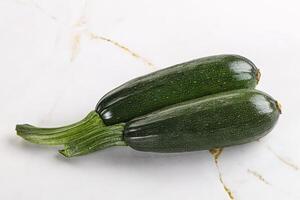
(59, 57)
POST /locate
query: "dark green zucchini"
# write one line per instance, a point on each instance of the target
(219, 120)
(176, 84)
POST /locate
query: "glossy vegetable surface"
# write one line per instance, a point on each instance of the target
(219, 120)
(176, 84)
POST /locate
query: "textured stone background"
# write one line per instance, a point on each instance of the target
(59, 57)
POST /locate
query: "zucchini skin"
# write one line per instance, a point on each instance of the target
(214, 121)
(176, 84)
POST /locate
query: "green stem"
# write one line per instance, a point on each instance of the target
(85, 136)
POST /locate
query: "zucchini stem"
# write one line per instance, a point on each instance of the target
(86, 136)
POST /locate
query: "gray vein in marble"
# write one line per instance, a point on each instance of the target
(54, 105)
(258, 176)
(38, 7)
(216, 154)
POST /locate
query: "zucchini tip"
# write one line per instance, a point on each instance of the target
(257, 76)
(279, 107)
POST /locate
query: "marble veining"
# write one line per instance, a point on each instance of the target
(142, 33)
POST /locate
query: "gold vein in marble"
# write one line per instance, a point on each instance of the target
(82, 21)
(216, 152)
(75, 46)
(288, 163)
(259, 176)
(280, 158)
(82, 24)
(38, 7)
(117, 44)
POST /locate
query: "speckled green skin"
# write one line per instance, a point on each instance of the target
(219, 120)
(176, 84)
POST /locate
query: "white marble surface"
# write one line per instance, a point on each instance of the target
(59, 57)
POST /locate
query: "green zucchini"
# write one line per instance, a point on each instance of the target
(218, 120)
(176, 84)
